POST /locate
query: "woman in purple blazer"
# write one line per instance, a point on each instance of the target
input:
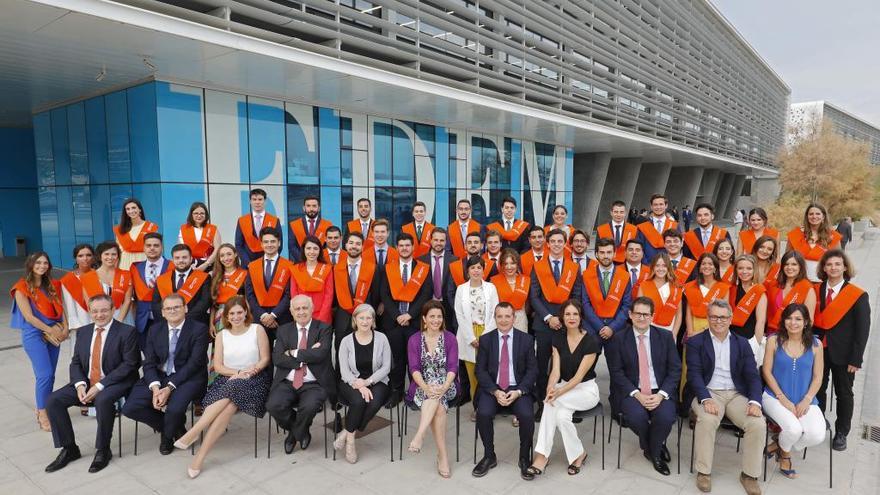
(433, 364)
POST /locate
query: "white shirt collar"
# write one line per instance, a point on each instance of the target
(106, 327)
(630, 268)
(267, 257)
(306, 326)
(615, 224)
(716, 339)
(836, 288)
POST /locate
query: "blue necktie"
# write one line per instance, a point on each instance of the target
(556, 272)
(172, 348)
(404, 306)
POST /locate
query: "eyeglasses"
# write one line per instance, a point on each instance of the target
(643, 316)
(172, 308)
(718, 318)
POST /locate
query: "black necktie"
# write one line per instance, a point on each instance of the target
(617, 236)
(381, 257)
(556, 272)
(267, 273)
(181, 278)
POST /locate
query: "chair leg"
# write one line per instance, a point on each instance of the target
(831, 399)
(403, 431)
(609, 435)
(595, 424)
(135, 438)
(738, 438)
(324, 427)
(678, 447)
(693, 439)
(192, 422)
(255, 437)
(766, 444)
(391, 431)
(269, 438)
(603, 443)
(119, 440)
(475, 443)
(457, 432)
(619, 436)
(830, 460)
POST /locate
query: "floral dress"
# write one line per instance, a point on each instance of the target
(434, 372)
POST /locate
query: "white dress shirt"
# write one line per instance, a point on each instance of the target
(836, 288)
(171, 329)
(309, 377)
(650, 361)
(104, 335)
(722, 379)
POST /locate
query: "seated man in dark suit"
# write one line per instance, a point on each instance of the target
(645, 371)
(175, 373)
(506, 371)
(722, 374)
(104, 367)
(304, 376)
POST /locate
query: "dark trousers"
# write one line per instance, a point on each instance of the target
(105, 407)
(843, 389)
(295, 409)
(524, 410)
(139, 406)
(341, 327)
(361, 412)
(398, 337)
(652, 427)
(543, 352)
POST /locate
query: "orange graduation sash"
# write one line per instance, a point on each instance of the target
(74, 287)
(362, 287)
(406, 292)
(698, 303)
(727, 276)
(606, 306)
(770, 278)
(556, 293)
(696, 245)
(455, 239)
(300, 231)
(50, 307)
(313, 282)
(515, 295)
(628, 232)
(230, 285)
(748, 238)
(664, 311)
(423, 245)
(797, 294)
(191, 286)
(203, 247)
(121, 282)
(490, 264)
(527, 260)
(142, 291)
(516, 230)
(827, 318)
(456, 269)
(684, 269)
(135, 245)
(270, 298)
(355, 226)
(251, 238)
(798, 241)
(654, 238)
(743, 308)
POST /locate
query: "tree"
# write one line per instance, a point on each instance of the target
(825, 167)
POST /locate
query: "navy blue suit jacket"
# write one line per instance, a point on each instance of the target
(143, 309)
(594, 323)
(623, 363)
(525, 364)
(120, 357)
(701, 366)
(190, 355)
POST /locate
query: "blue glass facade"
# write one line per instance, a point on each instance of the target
(170, 145)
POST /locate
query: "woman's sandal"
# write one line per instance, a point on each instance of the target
(788, 473)
(536, 471)
(443, 474)
(574, 469)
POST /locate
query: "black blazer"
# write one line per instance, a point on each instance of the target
(198, 308)
(622, 355)
(847, 340)
(318, 358)
(190, 357)
(539, 304)
(701, 367)
(698, 230)
(281, 310)
(120, 357)
(525, 365)
(447, 284)
(392, 308)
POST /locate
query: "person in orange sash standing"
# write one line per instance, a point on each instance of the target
(634, 264)
(619, 230)
(38, 312)
(248, 228)
(757, 228)
(791, 286)
(748, 299)
(473, 247)
(682, 267)
(459, 229)
(314, 279)
(651, 233)
(202, 237)
(579, 244)
(704, 237)
(538, 251)
(333, 248)
(420, 229)
(726, 255)
(356, 282)
(766, 253)
(513, 287)
(560, 221)
(267, 288)
(513, 231)
(607, 294)
(842, 322)
(363, 224)
(813, 238)
(310, 224)
(109, 279)
(227, 280)
(403, 290)
(143, 280)
(664, 290)
(194, 285)
(494, 243)
(130, 233)
(76, 308)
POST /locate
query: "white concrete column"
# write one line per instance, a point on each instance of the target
(683, 186)
(623, 173)
(653, 178)
(734, 202)
(590, 172)
(709, 186)
(724, 193)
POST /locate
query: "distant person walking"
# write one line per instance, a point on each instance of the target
(844, 228)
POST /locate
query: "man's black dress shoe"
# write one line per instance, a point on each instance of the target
(166, 445)
(524, 470)
(659, 464)
(664, 453)
(289, 443)
(304, 443)
(839, 442)
(67, 455)
(101, 460)
(483, 467)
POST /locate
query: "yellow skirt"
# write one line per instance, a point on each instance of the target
(472, 367)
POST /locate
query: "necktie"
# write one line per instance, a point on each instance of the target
(644, 373)
(311, 226)
(504, 365)
(705, 236)
(659, 224)
(605, 282)
(151, 275)
(365, 228)
(617, 236)
(95, 366)
(352, 279)
(634, 277)
(829, 297)
(300, 373)
(556, 272)
(538, 257)
(578, 260)
(267, 273)
(507, 227)
(404, 306)
(438, 278)
(674, 264)
(172, 349)
(181, 277)
(258, 225)
(464, 232)
(381, 257)
(419, 232)
(333, 258)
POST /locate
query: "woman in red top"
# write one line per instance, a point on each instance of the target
(724, 252)
(202, 237)
(766, 252)
(792, 286)
(130, 233)
(227, 280)
(813, 238)
(757, 229)
(109, 279)
(314, 279)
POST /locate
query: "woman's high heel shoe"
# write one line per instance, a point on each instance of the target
(443, 474)
(339, 443)
(350, 451)
(193, 473)
(179, 444)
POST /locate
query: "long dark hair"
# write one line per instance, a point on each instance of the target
(80, 247)
(45, 281)
(802, 268)
(217, 270)
(824, 230)
(125, 222)
(806, 335)
(700, 279)
(189, 217)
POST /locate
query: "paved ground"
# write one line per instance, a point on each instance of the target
(25, 451)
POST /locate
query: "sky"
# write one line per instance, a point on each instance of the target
(823, 49)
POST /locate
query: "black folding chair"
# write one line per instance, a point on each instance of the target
(621, 422)
(389, 406)
(775, 427)
(459, 400)
(595, 413)
(323, 410)
(725, 423)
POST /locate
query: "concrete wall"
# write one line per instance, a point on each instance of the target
(653, 178)
(623, 174)
(590, 174)
(683, 185)
(19, 202)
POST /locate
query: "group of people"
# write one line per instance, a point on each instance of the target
(509, 316)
